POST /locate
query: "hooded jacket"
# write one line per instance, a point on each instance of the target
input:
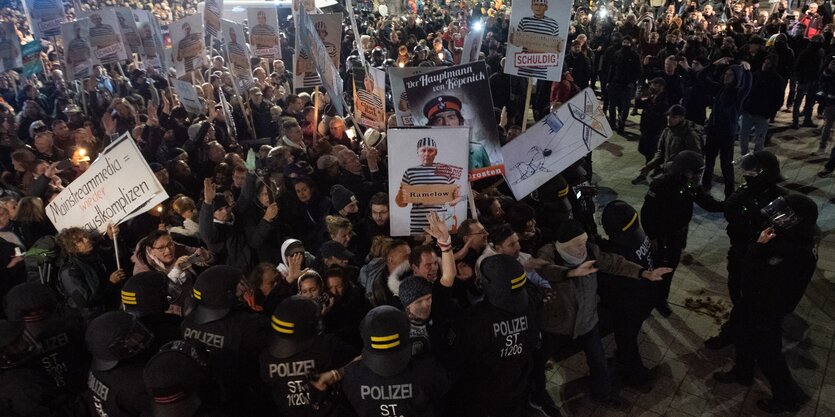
(723, 120)
(766, 95)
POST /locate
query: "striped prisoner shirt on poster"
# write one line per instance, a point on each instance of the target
(184, 45)
(103, 30)
(543, 26)
(236, 49)
(434, 174)
(370, 99)
(265, 31)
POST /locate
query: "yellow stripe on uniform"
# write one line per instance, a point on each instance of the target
(282, 330)
(519, 284)
(631, 222)
(388, 338)
(197, 294)
(385, 346)
(283, 323)
(517, 279)
(563, 192)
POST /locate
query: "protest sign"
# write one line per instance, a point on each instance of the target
(127, 25)
(459, 96)
(263, 32)
(402, 110)
(105, 37)
(237, 52)
(323, 56)
(554, 143)
(45, 17)
(370, 97)
(188, 48)
(431, 165)
(536, 44)
(328, 28)
(10, 55)
(213, 11)
(77, 54)
(117, 185)
(472, 46)
(353, 19)
(187, 95)
(32, 63)
(153, 49)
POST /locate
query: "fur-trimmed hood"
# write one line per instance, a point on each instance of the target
(402, 271)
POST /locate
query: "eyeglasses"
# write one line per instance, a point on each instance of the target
(169, 245)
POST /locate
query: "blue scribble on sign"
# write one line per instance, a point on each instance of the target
(553, 122)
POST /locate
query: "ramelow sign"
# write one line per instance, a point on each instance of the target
(117, 186)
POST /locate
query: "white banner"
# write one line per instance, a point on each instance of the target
(554, 143)
(118, 185)
(187, 94)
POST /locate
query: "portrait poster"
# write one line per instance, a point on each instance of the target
(188, 97)
(328, 27)
(78, 57)
(460, 96)
(188, 47)
(45, 17)
(428, 174)
(402, 111)
(263, 32)
(537, 40)
(237, 52)
(150, 34)
(554, 143)
(472, 46)
(213, 11)
(322, 55)
(32, 62)
(105, 36)
(370, 97)
(127, 25)
(10, 55)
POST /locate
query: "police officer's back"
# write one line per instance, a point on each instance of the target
(495, 340)
(144, 296)
(232, 334)
(387, 381)
(297, 352)
(120, 346)
(62, 355)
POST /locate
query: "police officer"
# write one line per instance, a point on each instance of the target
(387, 380)
(298, 352)
(629, 301)
(63, 355)
(175, 379)
(761, 171)
(145, 296)
(233, 336)
(667, 210)
(777, 269)
(497, 336)
(25, 389)
(120, 346)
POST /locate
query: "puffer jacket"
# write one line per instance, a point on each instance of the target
(573, 310)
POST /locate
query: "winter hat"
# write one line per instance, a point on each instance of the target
(412, 288)
(341, 196)
(569, 230)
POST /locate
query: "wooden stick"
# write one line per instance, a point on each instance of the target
(527, 104)
(316, 100)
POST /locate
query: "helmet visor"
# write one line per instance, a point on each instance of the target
(18, 351)
(780, 213)
(749, 165)
(134, 341)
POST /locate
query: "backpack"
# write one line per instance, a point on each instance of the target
(41, 261)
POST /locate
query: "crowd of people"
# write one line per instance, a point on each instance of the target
(268, 283)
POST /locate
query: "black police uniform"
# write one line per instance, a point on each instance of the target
(118, 392)
(233, 336)
(667, 211)
(774, 280)
(388, 381)
(296, 354)
(494, 346)
(629, 301)
(144, 295)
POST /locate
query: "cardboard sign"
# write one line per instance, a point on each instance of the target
(10, 55)
(536, 43)
(77, 54)
(263, 32)
(105, 36)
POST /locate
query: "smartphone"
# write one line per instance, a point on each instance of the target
(193, 258)
(17, 252)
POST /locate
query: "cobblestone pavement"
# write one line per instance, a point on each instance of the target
(673, 346)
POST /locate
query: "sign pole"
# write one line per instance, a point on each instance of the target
(527, 104)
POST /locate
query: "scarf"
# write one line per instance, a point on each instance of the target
(570, 259)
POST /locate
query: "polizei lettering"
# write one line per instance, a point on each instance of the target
(97, 387)
(291, 369)
(513, 326)
(386, 392)
(206, 338)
